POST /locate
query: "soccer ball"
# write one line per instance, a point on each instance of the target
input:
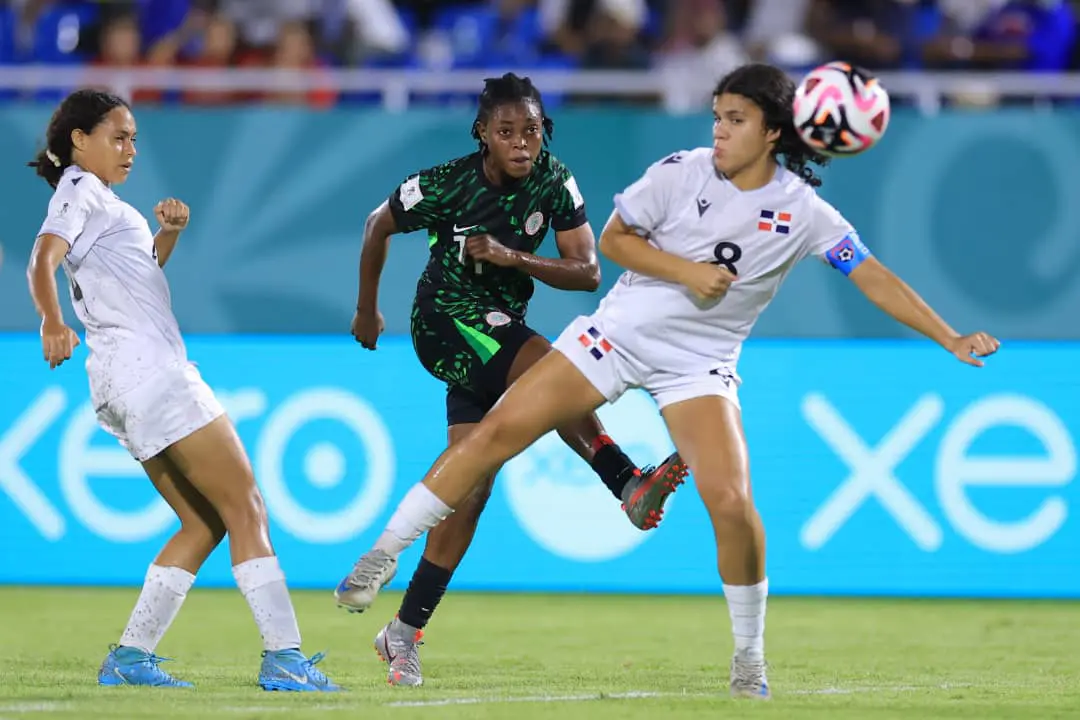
(840, 110)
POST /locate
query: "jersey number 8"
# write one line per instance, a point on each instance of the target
(727, 254)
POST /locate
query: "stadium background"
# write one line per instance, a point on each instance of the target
(881, 465)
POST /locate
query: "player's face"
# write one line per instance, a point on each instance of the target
(514, 135)
(109, 150)
(740, 138)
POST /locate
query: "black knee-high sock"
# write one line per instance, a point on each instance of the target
(612, 465)
(426, 589)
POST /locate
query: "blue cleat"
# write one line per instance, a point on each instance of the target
(290, 671)
(132, 666)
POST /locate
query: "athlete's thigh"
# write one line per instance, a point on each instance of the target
(452, 349)
(520, 347)
(194, 510)
(214, 461)
(550, 393)
(531, 352)
(708, 433)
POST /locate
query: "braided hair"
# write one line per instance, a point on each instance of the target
(506, 90)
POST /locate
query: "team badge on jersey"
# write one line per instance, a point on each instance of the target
(63, 210)
(497, 319)
(595, 343)
(773, 221)
(533, 223)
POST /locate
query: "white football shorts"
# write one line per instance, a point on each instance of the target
(613, 371)
(165, 409)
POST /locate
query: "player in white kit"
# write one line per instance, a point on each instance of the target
(148, 395)
(707, 236)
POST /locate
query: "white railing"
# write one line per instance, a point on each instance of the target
(397, 87)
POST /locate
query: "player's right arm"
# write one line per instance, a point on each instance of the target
(63, 230)
(640, 211)
(368, 322)
(412, 206)
(57, 339)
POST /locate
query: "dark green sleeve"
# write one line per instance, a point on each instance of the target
(568, 206)
(417, 203)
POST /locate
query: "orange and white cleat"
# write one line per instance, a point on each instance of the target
(398, 646)
(644, 496)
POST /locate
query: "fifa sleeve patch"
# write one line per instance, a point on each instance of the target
(847, 254)
(410, 194)
(575, 194)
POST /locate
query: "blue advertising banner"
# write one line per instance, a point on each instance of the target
(880, 467)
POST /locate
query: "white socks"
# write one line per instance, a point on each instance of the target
(419, 511)
(746, 604)
(262, 584)
(163, 593)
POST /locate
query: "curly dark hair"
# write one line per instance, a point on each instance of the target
(81, 110)
(505, 90)
(773, 91)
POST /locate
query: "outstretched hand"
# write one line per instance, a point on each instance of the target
(969, 348)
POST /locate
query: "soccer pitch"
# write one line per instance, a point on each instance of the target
(570, 656)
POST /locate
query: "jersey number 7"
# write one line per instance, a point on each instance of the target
(460, 240)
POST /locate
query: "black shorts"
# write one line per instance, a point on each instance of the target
(472, 354)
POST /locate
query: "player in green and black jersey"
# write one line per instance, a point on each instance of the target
(487, 215)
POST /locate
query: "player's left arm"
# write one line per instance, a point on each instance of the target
(576, 268)
(886, 290)
(172, 215)
(838, 244)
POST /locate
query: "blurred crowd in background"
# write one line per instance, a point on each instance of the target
(688, 38)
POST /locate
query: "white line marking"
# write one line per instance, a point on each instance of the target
(633, 695)
(33, 707)
(642, 695)
(279, 708)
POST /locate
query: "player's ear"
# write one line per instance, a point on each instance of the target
(78, 139)
(772, 135)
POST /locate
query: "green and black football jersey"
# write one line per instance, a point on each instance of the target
(455, 200)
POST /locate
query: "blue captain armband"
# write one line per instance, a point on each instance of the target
(847, 254)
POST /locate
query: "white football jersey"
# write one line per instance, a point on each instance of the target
(684, 207)
(117, 288)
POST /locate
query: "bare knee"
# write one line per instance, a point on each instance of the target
(727, 499)
(496, 441)
(201, 536)
(243, 511)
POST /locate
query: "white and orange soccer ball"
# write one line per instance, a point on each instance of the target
(840, 110)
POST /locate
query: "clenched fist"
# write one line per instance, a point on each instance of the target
(487, 249)
(172, 215)
(707, 281)
(57, 342)
(367, 326)
(969, 348)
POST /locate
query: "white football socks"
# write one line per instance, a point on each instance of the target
(419, 511)
(746, 605)
(162, 594)
(262, 584)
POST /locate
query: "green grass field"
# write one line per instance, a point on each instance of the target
(526, 656)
